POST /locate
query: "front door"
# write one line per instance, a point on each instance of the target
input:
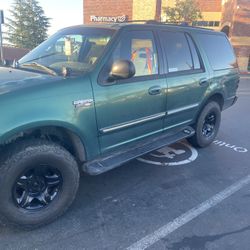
(132, 109)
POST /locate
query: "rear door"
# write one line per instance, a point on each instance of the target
(187, 78)
(132, 109)
(223, 62)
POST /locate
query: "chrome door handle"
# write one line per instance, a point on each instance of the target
(203, 81)
(155, 90)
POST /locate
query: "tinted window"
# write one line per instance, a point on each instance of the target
(195, 57)
(218, 50)
(143, 55)
(138, 47)
(178, 53)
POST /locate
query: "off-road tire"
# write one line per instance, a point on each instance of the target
(199, 139)
(19, 157)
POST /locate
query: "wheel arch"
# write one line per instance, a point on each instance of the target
(217, 97)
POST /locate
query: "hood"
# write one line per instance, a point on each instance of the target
(15, 79)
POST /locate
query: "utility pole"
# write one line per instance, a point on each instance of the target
(1, 36)
(158, 10)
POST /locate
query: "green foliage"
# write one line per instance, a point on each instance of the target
(28, 24)
(184, 11)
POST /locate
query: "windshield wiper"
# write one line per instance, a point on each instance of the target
(41, 57)
(40, 66)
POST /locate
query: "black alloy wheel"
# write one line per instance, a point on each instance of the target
(37, 187)
(209, 124)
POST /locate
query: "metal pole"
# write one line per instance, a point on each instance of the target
(1, 36)
(1, 44)
(158, 10)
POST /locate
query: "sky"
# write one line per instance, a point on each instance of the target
(63, 13)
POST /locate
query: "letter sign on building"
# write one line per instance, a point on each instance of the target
(108, 19)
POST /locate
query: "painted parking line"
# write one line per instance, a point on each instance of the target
(178, 222)
(180, 153)
(230, 146)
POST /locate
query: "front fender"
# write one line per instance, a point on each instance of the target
(51, 105)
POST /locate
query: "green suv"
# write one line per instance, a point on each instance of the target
(91, 98)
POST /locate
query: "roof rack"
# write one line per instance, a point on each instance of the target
(185, 24)
(155, 22)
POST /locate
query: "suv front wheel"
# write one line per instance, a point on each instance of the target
(207, 125)
(39, 180)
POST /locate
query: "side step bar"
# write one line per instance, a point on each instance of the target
(116, 159)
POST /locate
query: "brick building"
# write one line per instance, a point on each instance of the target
(236, 23)
(11, 53)
(230, 16)
(146, 10)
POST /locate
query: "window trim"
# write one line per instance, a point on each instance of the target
(190, 50)
(197, 51)
(134, 79)
(185, 72)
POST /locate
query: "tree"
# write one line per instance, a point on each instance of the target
(184, 11)
(28, 25)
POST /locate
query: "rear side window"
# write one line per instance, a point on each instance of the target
(218, 50)
(178, 49)
(195, 57)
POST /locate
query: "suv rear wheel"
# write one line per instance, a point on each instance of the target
(207, 125)
(39, 181)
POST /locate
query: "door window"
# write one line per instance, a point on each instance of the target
(143, 55)
(178, 51)
(138, 47)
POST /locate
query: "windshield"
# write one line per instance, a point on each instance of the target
(77, 49)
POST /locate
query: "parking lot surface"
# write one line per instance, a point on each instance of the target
(174, 198)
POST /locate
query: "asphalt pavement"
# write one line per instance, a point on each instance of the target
(174, 198)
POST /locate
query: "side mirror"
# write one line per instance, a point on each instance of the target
(121, 69)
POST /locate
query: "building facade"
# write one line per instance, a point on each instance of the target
(230, 16)
(235, 23)
(11, 53)
(147, 10)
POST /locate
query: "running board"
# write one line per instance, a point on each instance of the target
(114, 160)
